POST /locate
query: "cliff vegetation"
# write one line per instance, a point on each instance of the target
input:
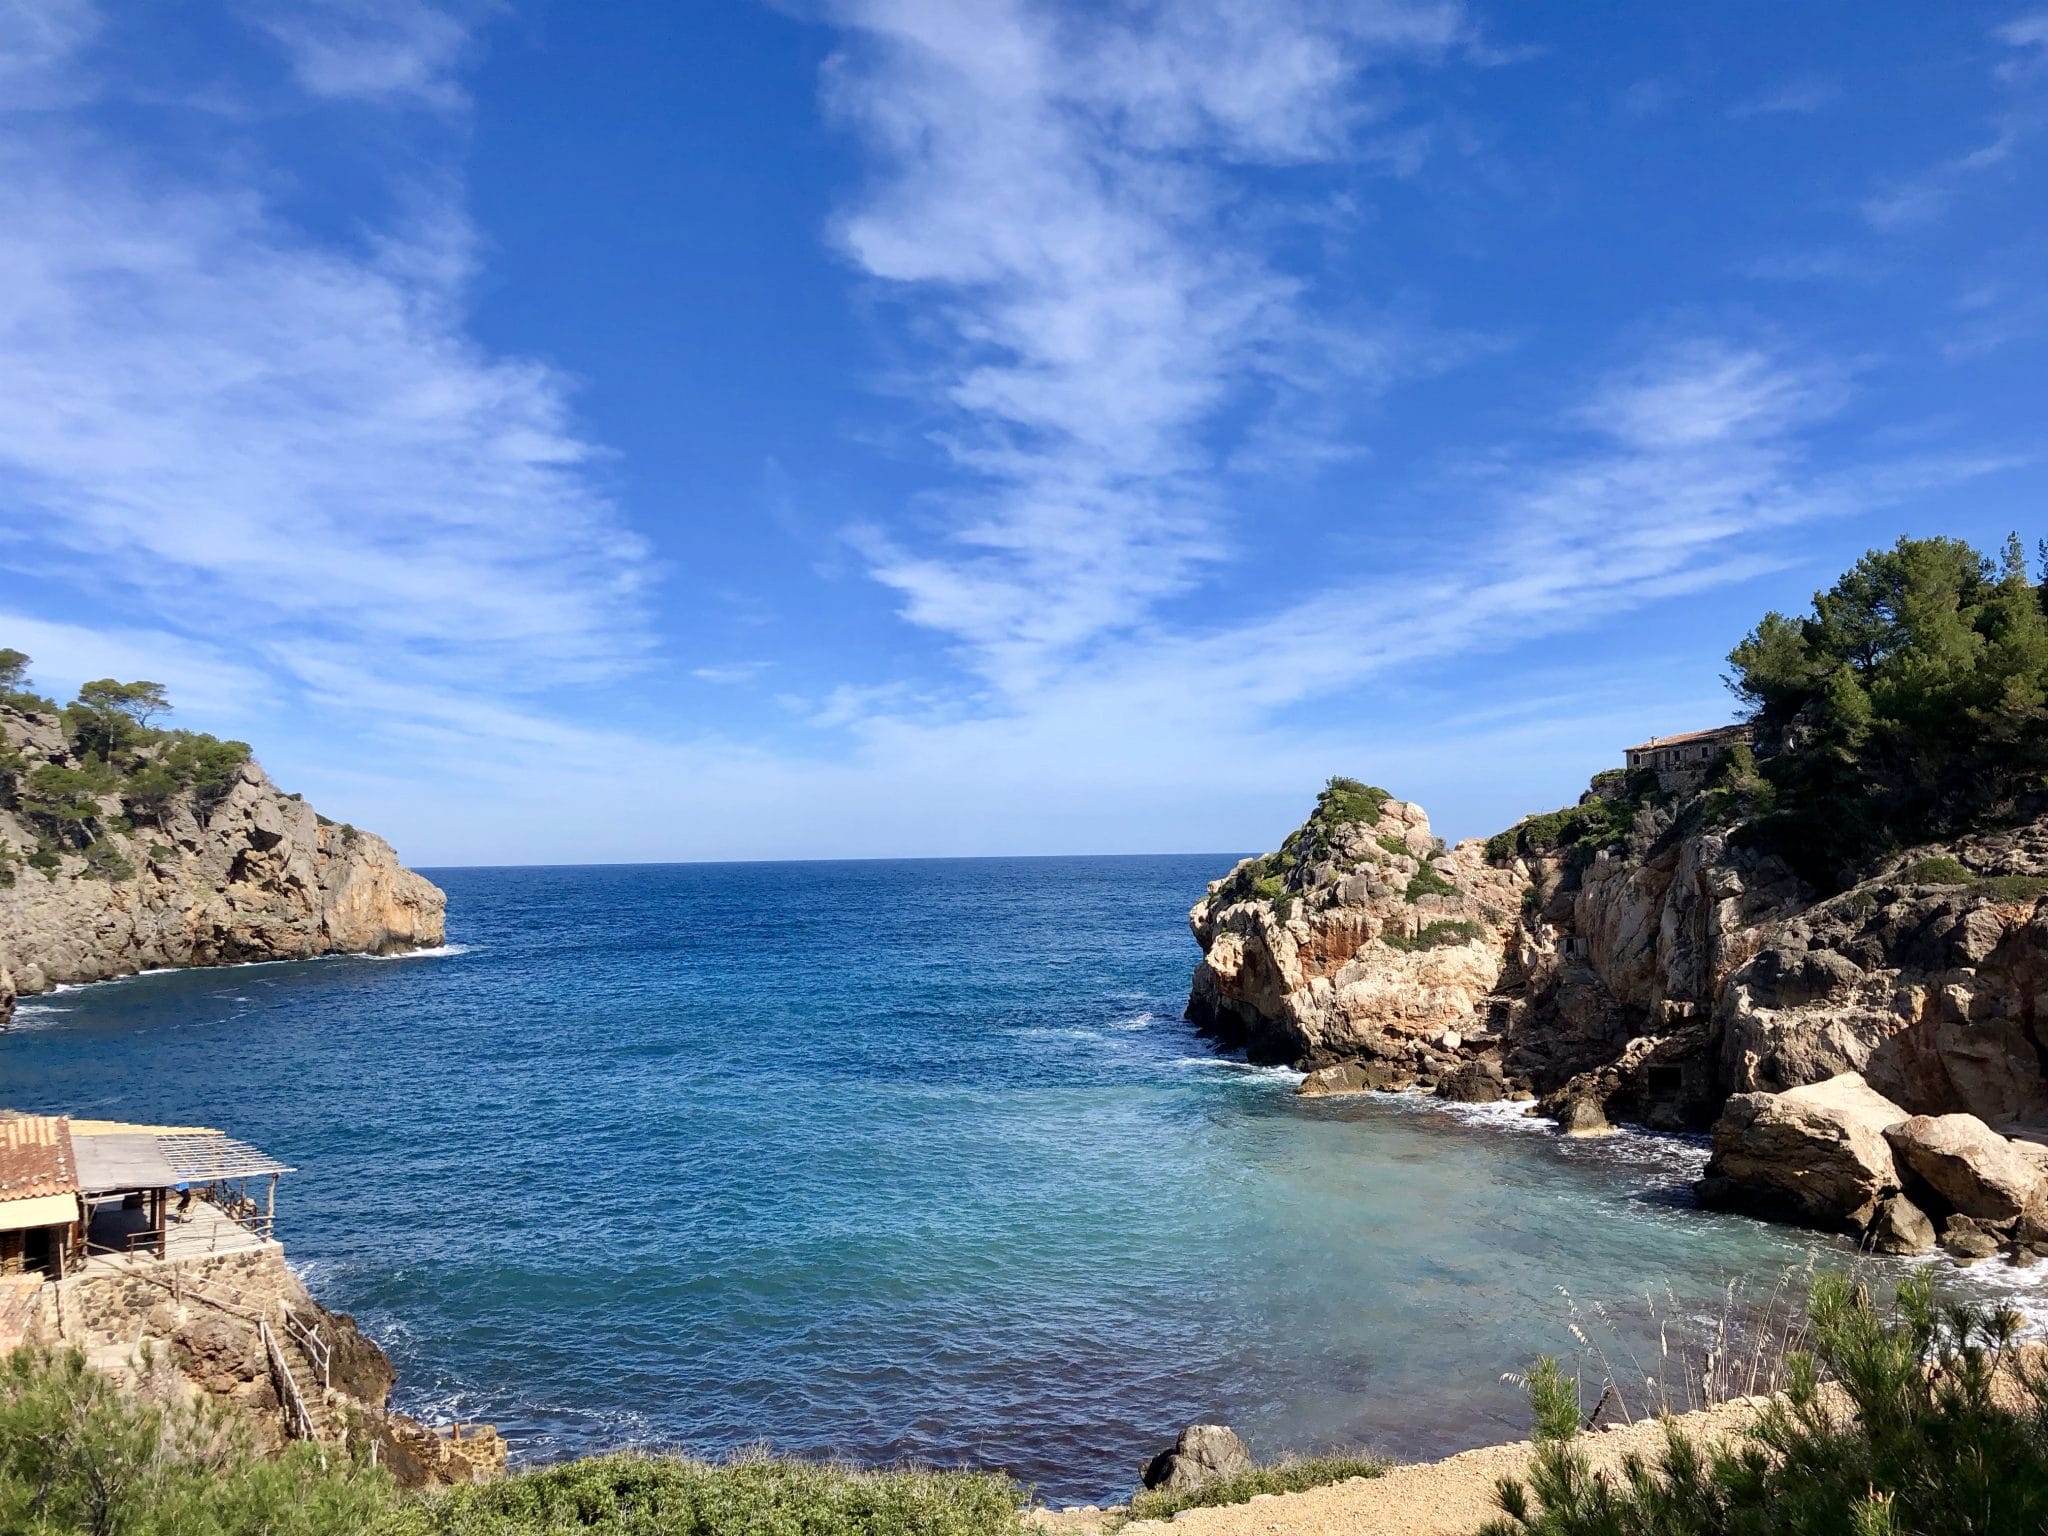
(126, 844)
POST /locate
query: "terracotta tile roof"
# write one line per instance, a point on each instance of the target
(1683, 737)
(35, 1157)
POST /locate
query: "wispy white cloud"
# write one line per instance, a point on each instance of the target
(39, 42)
(205, 414)
(1680, 472)
(2027, 37)
(730, 672)
(1924, 196)
(1055, 193)
(1801, 97)
(381, 51)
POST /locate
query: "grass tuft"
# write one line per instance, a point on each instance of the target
(1290, 1475)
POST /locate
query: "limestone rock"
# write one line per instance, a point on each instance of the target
(1476, 1082)
(247, 873)
(1201, 1454)
(1968, 1238)
(1360, 940)
(1582, 1115)
(1901, 1227)
(1346, 1077)
(1815, 1154)
(1975, 1171)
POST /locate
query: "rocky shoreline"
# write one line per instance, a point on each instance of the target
(1869, 1063)
(213, 874)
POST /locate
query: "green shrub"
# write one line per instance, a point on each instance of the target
(750, 1496)
(1930, 1446)
(103, 861)
(1344, 800)
(1434, 936)
(1293, 1475)
(1428, 881)
(80, 1458)
(1283, 907)
(1394, 845)
(1940, 870)
(2014, 887)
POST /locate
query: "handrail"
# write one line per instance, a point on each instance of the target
(298, 1423)
(316, 1347)
(183, 1242)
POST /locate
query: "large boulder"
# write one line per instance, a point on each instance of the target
(1975, 1171)
(1815, 1155)
(1346, 1077)
(1201, 1454)
(1901, 1227)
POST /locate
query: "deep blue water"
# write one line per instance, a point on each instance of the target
(878, 1159)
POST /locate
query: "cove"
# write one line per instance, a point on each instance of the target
(881, 1159)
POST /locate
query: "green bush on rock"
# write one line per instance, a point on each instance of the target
(1434, 936)
(1941, 870)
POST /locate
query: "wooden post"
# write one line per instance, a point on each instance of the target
(270, 1205)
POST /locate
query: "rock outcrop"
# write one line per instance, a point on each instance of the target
(241, 871)
(1817, 1154)
(1639, 958)
(1364, 938)
(1970, 1168)
(1202, 1453)
(195, 1328)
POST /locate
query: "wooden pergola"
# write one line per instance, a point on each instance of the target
(143, 1164)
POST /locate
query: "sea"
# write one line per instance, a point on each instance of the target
(898, 1160)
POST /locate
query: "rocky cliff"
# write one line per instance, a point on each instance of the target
(240, 1331)
(195, 875)
(1363, 938)
(1636, 958)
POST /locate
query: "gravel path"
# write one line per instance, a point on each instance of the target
(1453, 1497)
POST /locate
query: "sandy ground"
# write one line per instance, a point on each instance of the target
(1453, 1497)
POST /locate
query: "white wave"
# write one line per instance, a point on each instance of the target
(1246, 1068)
(1996, 1282)
(1659, 1152)
(1145, 1018)
(438, 951)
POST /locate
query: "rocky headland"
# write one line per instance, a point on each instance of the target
(178, 851)
(1871, 1061)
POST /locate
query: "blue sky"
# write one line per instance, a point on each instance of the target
(872, 427)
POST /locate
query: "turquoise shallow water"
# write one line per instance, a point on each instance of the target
(879, 1159)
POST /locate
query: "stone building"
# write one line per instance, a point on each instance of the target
(1683, 762)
